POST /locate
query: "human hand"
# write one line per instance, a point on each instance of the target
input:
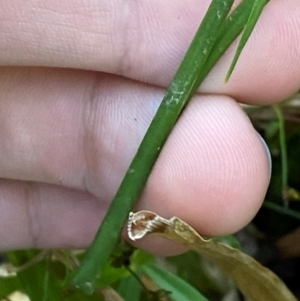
(68, 135)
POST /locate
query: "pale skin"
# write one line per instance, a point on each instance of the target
(68, 135)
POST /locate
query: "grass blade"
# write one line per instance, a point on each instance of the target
(130, 289)
(284, 158)
(229, 31)
(257, 9)
(180, 290)
(43, 285)
(282, 210)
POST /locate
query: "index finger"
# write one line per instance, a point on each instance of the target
(147, 40)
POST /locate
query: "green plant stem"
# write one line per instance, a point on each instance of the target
(137, 278)
(284, 160)
(282, 210)
(213, 37)
(179, 93)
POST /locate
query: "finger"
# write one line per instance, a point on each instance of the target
(35, 215)
(48, 216)
(71, 128)
(81, 130)
(147, 40)
(213, 172)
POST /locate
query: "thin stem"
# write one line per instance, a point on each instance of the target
(39, 257)
(256, 10)
(214, 36)
(46, 280)
(284, 160)
(183, 86)
(282, 210)
(137, 278)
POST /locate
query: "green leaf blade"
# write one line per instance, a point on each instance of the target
(130, 289)
(43, 284)
(229, 31)
(180, 290)
(256, 11)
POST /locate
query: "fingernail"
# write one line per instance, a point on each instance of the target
(267, 152)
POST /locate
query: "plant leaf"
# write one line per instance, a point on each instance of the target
(180, 290)
(257, 9)
(255, 281)
(41, 278)
(8, 285)
(229, 31)
(43, 285)
(130, 289)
